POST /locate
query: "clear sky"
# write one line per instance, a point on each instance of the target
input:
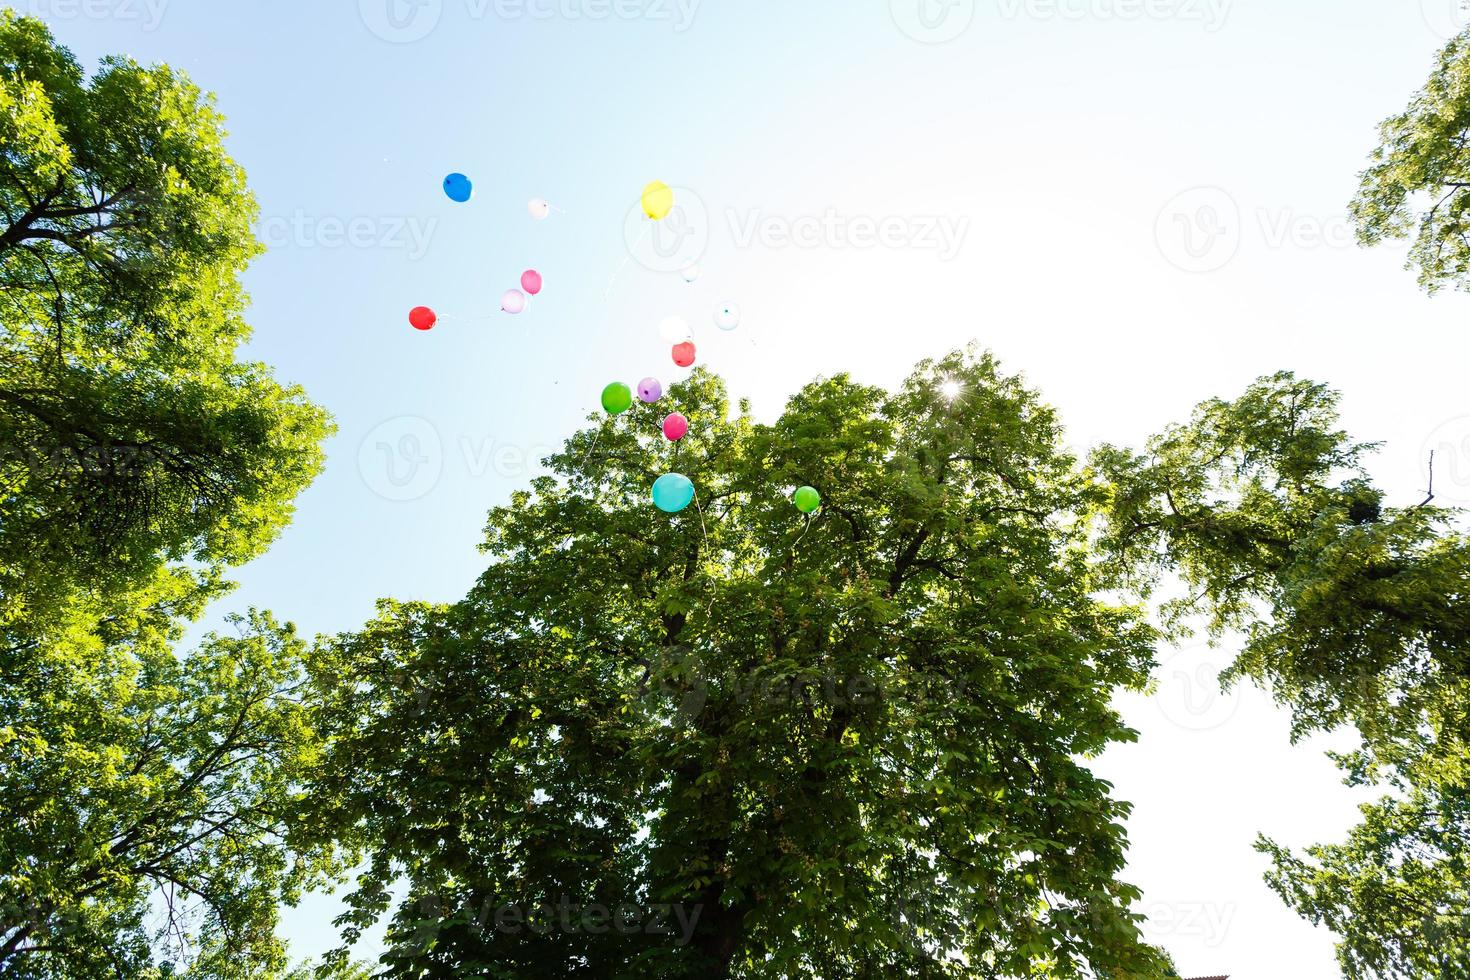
(1138, 203)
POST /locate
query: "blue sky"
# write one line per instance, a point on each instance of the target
(1138, 203)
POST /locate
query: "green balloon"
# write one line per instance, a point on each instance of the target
(617, 398)
(807, 500)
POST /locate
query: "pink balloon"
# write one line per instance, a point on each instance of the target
(531, 281)
(514, 301)
(675, 426)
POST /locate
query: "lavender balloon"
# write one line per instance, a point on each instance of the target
(649, 390)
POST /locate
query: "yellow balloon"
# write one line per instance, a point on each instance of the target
(658, 200)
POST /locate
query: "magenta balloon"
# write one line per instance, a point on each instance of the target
(675, 426)
(650, 390)
(531, 281)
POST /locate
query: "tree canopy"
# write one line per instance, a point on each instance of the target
(130, 435)
(1354, 614)
(146, 794)
(1416, 182)
(759, 746)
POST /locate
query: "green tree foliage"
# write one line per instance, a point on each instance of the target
(733, 742)
(135, 775)
(145, 794)
(1416, 183)
(130, 436)
(1353, 613)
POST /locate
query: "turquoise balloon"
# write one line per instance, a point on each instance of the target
(672, 492)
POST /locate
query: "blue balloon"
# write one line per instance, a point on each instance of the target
(672, 492)
(458, 187)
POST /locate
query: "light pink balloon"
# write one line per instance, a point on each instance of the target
(531, 281)
(514, 301)
(675, 426)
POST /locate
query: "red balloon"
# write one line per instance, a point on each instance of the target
(531, 281)
(675, 426)
(422, 318)
(684, 354)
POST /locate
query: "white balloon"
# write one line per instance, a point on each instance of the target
(727, 317)
(539, 208)
(675, 330)
(690, 273)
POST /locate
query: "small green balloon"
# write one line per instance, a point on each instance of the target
(617, 398)
(807, 500)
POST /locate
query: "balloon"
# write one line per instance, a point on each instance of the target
(690, 273)
(422, 318)
(649, 390)
(658, 200)
(675, 426)
(513, 301)
(674, 329)
(807, 499)
(458, 187)
(727, 317)
(617, 398)
(531, 281)
(539, 208)
(684, 354)
(672, 492)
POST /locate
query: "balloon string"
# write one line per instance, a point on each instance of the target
(699, 506)
(803, 533)
(624, 264)
(592, 447)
